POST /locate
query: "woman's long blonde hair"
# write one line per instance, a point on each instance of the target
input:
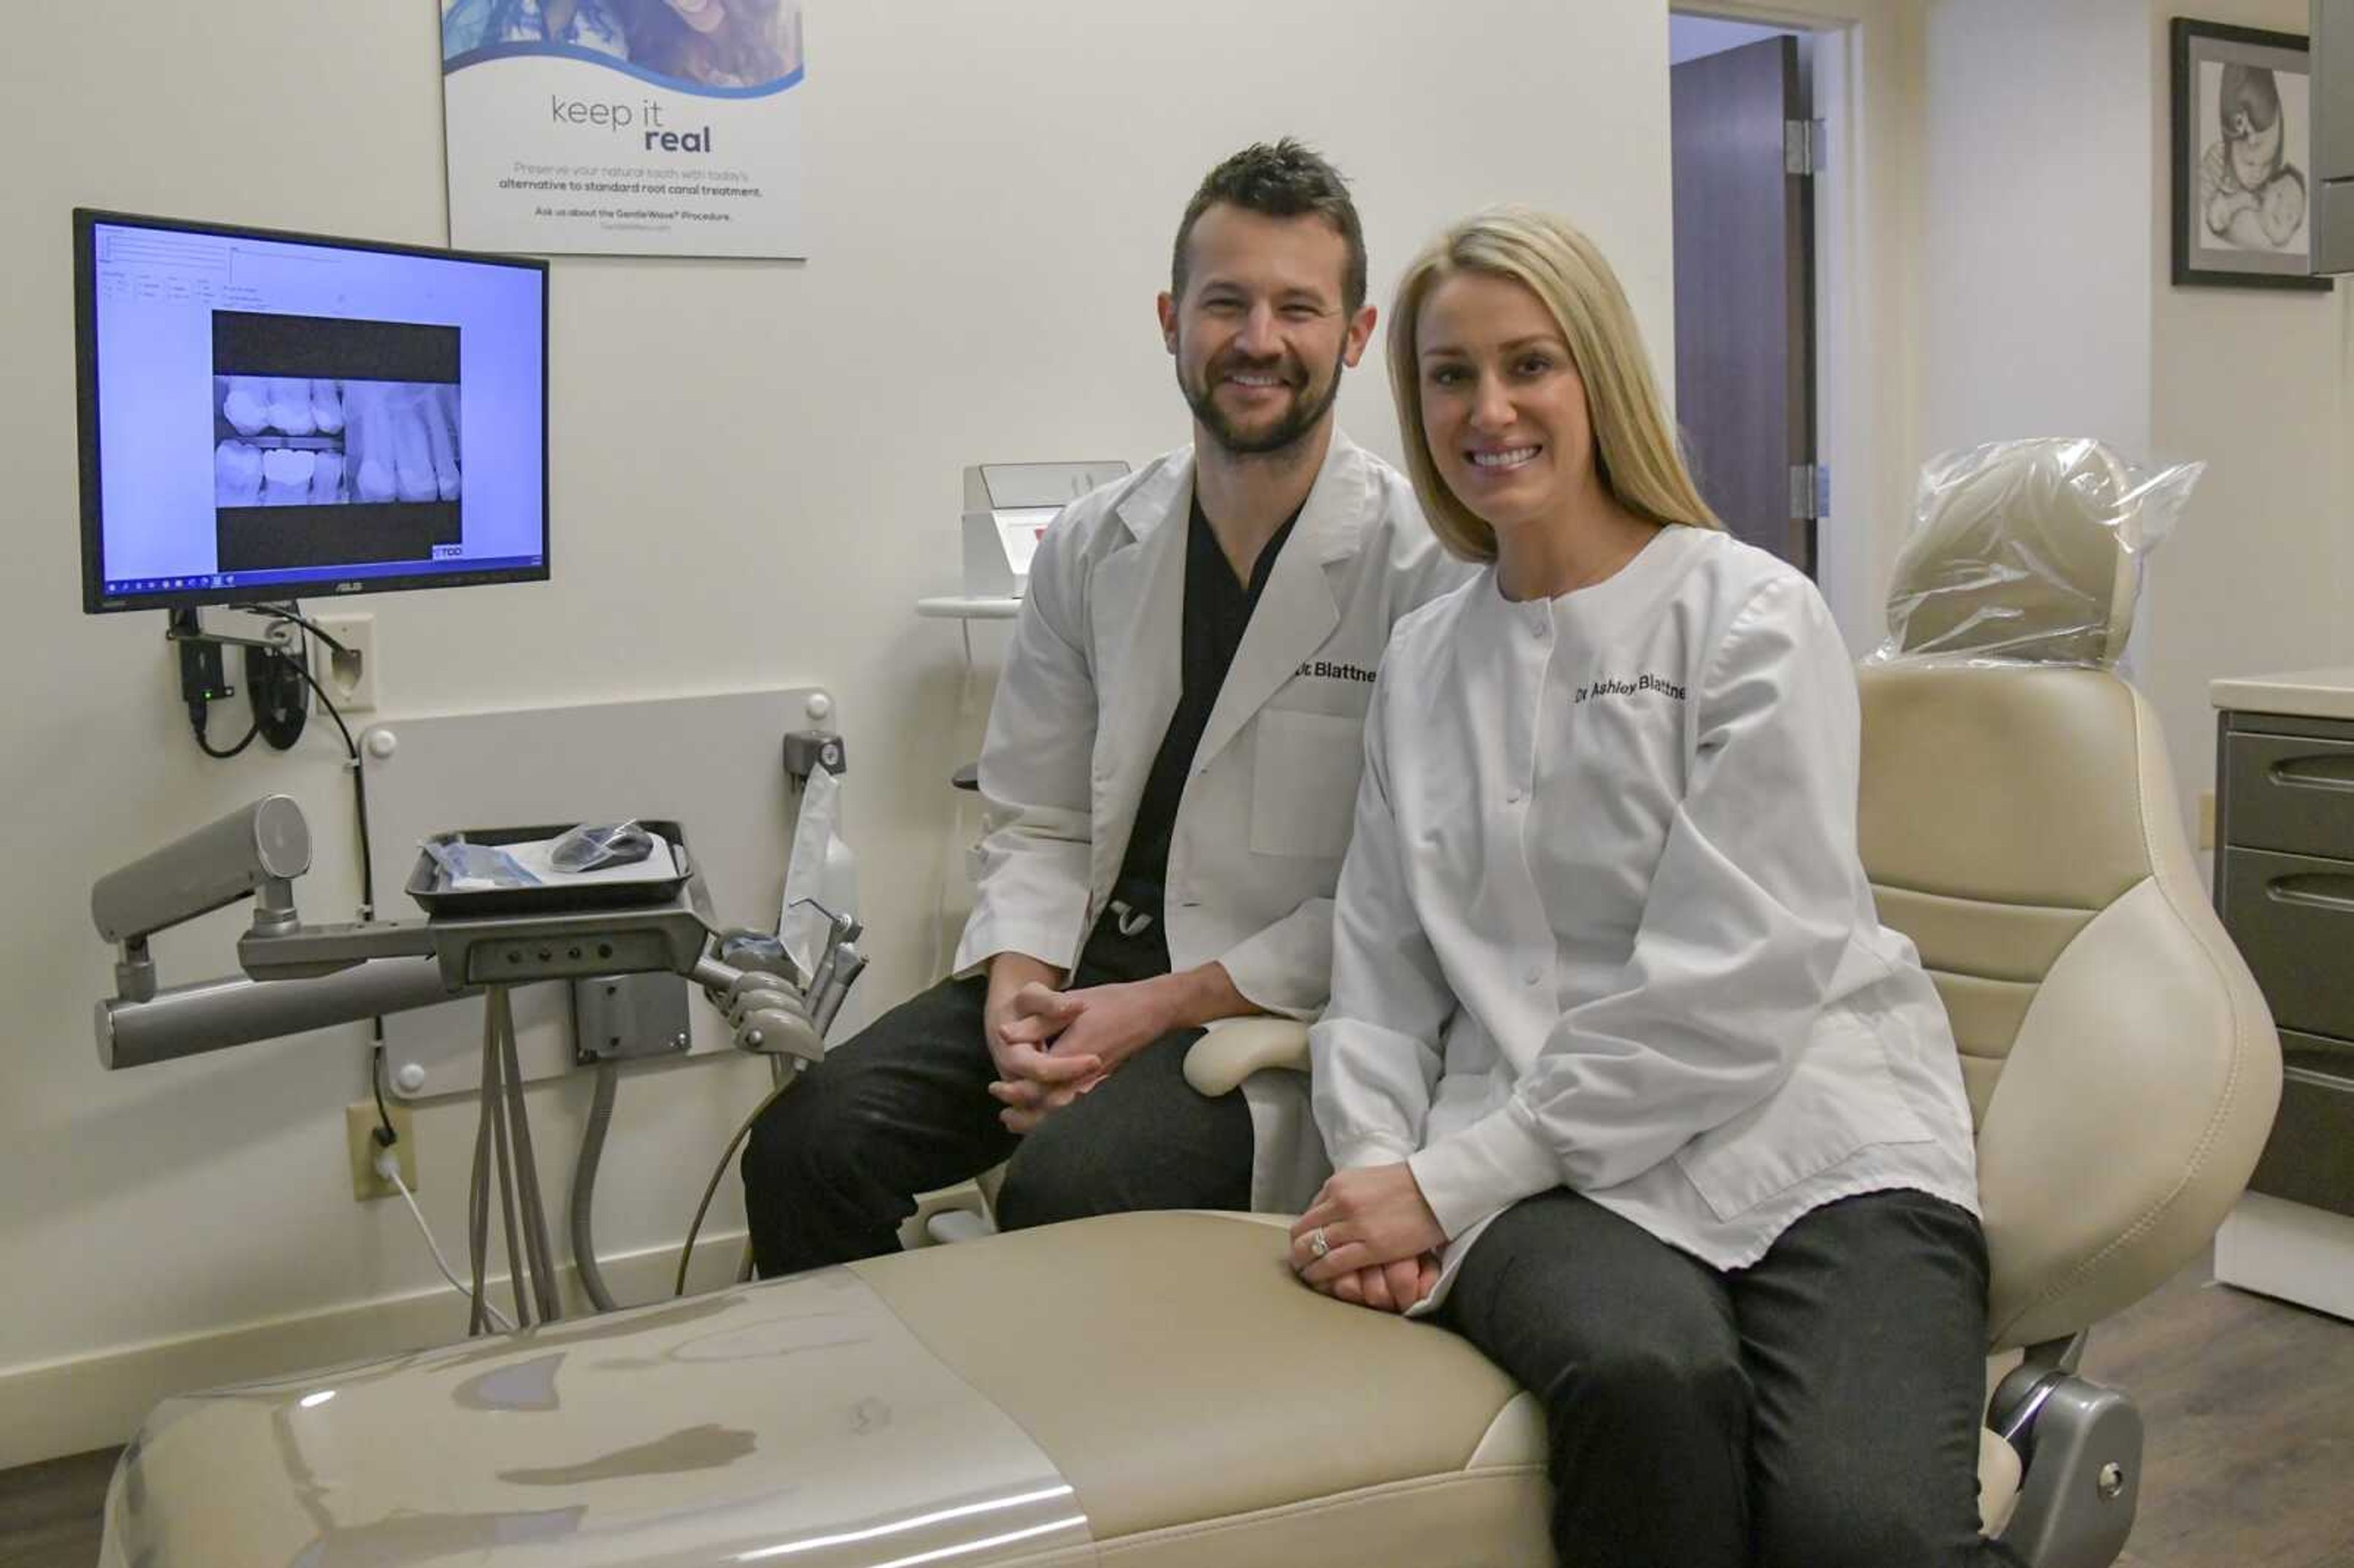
(1635, 450)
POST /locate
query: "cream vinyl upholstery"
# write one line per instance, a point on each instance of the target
(2020, 825)
(2019, 822)
(1208, 1410)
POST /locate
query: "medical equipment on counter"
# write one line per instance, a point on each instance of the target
(1007, 506)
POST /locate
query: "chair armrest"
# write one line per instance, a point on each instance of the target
(1234, 1048)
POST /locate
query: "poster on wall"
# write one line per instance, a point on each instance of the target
(2242, 110)
(624, 127)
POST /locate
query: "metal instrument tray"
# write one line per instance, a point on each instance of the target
(551, 897)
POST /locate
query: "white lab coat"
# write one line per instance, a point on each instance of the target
(1603, 924)
(1090, 683)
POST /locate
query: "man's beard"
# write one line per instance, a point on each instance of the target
(1307, 409)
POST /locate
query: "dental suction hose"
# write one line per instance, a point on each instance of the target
(584, 1187)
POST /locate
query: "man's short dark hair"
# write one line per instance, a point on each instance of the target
(1285, 180)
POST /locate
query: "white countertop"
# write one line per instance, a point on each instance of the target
(2303, 694)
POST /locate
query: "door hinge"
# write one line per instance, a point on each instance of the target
(1804, 146)
(1810, 491)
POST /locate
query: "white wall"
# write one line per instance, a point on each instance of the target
(2035, 291)
(991, 191)
(2007, 272)
(2255, 381)
(2034, 298)
(2047, 307)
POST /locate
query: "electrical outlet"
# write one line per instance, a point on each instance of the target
(348, 673)
(2206, 819)
(359, 1128)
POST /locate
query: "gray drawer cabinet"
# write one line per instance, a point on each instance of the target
(2284, 887)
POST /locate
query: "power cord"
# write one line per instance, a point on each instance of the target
(384, 1135)
(359, 780)
(281, 613)
(197, 706)
(387, 1168)
(719, 1172)
(204, 682)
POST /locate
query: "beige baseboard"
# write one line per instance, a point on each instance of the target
(96, 1401)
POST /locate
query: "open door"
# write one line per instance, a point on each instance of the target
(1744, 143)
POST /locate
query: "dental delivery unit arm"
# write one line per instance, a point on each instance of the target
(300, 976)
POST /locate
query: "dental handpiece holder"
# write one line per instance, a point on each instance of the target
(300, 977)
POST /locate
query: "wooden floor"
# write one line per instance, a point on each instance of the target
(2250, 1408)
(2249, 1403)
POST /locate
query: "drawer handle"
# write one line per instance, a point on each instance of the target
(2314, 773)
(2313, 890)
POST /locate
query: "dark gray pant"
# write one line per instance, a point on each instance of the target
(902, 1107)
(1818, 1409)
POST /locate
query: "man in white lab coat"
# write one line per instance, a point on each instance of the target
(1170, 767)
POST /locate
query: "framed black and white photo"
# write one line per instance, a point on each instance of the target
(2242, 158)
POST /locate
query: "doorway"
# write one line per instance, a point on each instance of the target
(1742, 126)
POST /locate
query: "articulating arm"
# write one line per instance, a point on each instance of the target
(309, 977)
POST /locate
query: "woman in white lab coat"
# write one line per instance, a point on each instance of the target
(1622, 1078)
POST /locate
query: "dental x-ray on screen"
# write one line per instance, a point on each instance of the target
(267, 415)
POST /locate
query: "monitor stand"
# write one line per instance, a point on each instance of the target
(275, 669)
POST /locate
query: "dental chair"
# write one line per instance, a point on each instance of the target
(1157, 1390)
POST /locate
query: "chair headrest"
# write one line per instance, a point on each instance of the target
(2028, 551)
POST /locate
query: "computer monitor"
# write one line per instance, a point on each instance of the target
(268, 416)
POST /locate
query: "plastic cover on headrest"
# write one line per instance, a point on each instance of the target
(2028, 551)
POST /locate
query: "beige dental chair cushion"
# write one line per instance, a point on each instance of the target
(1151, 1391)
(1208, 1409)
(2018, 823)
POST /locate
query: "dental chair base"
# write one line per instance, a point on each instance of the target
(2082, 1445)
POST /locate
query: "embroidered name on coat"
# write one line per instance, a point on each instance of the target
(1611, 686)
(1317, 669)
